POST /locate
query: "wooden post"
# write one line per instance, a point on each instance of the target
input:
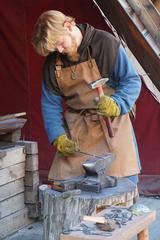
(147, 13)
(143, 235)
(125, 27)
(157, 4)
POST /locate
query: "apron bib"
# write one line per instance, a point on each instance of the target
(85, 127)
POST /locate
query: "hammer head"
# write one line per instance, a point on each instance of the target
(98, 83)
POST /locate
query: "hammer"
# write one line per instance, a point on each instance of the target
(98, 85)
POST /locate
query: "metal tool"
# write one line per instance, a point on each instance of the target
(98, 85)
(95, 178)
(88, 154)
(87, 231)
(99, 233)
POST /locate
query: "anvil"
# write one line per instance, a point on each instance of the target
(95, 178)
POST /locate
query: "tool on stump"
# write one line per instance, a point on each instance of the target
(95, 178)
(98, 85)
(88, 154)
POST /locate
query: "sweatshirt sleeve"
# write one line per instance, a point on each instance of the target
(52, 112)
(126, 81)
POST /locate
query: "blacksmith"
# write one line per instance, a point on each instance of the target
(76, 56)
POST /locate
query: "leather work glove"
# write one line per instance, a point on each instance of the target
(64, 145)
(107, 107)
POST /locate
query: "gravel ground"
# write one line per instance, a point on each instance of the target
(35, 230)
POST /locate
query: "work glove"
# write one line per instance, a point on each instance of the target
(64, 145)
(107, 107)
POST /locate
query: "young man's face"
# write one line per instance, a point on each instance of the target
(68, 46)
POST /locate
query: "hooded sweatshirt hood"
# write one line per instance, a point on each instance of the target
(87, 32)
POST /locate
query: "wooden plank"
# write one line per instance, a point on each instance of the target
(10, 189)
(11, 205)
(2, 154)
(157, 4)
(94, 219)
(12, 173)
(31, 162)
(5, 145)
(131, 229)
(13, 156)
(14, 222)
(12, 136)
(133, 37)
(30, 146)
(152, 11)
(146, 12)
(11, 124)
(14, 115)
(144, 235)
(31, 178)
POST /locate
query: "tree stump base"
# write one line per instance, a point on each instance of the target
(65, 210)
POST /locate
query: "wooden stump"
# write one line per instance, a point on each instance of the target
(65, 210)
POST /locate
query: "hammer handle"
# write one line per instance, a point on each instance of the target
(100, 91)
(107, 120)
(109, 126)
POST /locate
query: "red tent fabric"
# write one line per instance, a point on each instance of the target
(21, 76)
(147, 129)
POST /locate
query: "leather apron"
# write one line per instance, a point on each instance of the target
(85, 128)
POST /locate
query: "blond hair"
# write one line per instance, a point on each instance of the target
(48, 30)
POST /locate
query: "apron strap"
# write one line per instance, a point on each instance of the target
(59, 63)
(58, 66)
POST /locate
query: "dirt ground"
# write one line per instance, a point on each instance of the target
(35, 230)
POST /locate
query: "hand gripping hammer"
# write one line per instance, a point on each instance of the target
(98, 85)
